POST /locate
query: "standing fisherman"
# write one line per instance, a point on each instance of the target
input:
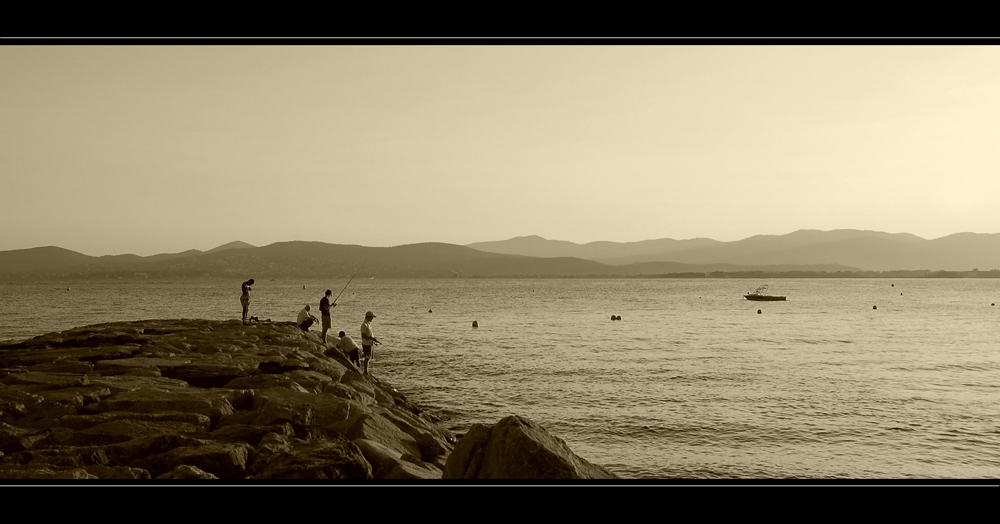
(325, 304)
(245, 298)
(324, 310)
(368, 339)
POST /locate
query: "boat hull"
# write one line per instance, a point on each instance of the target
(766, 298)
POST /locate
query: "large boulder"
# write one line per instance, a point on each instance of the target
(517, 448)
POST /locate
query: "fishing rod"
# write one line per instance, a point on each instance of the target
(349, 281)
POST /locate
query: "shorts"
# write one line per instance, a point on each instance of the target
(355, 358)
(304, 326)
(368, 351)
(326, 321)
(245, 300)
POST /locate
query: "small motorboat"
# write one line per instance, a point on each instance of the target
(761, 294)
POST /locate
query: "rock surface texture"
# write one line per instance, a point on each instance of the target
(199, 399)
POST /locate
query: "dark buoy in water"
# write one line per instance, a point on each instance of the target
(758, 311)
(893, 285)
(612, 317)
(303, 287)
(900, 294)
(475, 323)
(430, 311)
(619, 317)
(993, 303)
(874, 307)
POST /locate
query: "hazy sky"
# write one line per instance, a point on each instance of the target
(152, 149)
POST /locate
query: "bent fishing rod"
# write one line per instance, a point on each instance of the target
(349, 281)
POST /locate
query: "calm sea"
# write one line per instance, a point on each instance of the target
(692, 383)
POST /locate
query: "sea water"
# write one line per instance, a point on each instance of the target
(691, 383)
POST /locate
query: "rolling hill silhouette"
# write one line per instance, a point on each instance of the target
(867, 250)
(802, 252)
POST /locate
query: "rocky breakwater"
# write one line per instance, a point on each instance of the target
(198, 399)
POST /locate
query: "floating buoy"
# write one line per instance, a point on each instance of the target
(612, 317)
(993, 303)
(430, 311)
(475, 323)
(900, 294)
(619, 317)
(874, 307)
(67, 289)
(758, 311)
(893, 285)
(303, 287)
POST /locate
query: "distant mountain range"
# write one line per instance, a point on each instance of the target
(802, 253)
(866, 250)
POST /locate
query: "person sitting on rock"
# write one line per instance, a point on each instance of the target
(305, 319)
(347, 345)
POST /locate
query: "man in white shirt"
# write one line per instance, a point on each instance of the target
(368, 339)
(350, 347)
(305, 319)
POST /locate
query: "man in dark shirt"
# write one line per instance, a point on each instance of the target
(324, 310)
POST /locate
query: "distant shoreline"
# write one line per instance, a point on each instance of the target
(994, 273)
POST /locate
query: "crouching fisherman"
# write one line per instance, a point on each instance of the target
(305, 319)
(350, 347)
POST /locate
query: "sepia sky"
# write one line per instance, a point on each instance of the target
(154, 149)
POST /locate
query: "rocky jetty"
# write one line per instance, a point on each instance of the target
(198, 399)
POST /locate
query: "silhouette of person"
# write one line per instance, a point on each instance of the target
(324, 312)
(245, 298)
(368, 340)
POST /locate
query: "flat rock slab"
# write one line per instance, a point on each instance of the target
(265, 381)
(141, 362)
(213, 371)
(43, 472)
(64, 457)
(120, 383)
(76, 397)
(81, 422)
(187, 472)
(213, 404)
(125, 453)
(117, 472)
(378, 429)
(66, 366)
(406, 470)
(250, 434)
(32, 357)
(123, 430)
(277, 404)
(224, 460)
(41, 381)
(288, 458)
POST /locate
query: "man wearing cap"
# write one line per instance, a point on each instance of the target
(324, 311)
(368, 339)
